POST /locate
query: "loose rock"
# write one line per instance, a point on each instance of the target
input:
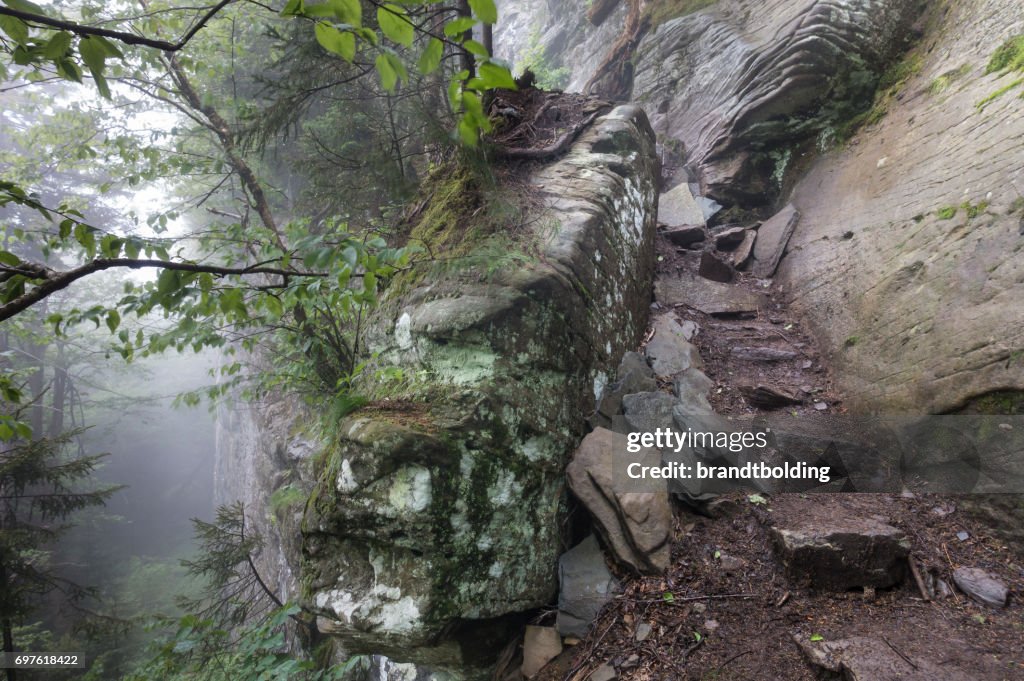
(743, 252)
(678, 207)
(635, 526)
(757, 354)
(767, 397)
(585, 585)
(772, 239)
(715, 268)
(669, 350)
(729, 239)
(981, 586)
(540, 646)
(685, 236)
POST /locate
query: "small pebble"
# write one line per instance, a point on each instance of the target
(820, 406)
(962, 536)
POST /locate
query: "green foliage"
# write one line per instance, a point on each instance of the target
(889, 84)
(944, 81)
(946, 212)
(534, 58)
(1008, 58)
(202, 650)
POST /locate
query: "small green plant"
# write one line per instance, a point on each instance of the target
(757, 500)
(817, 637)
(286, 497)
(944, 81)
(946, 212)
(1008, 58)
(851, 341)
(535, 59)
(668, 597)
(973, 210)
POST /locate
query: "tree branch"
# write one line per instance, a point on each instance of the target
(121, 36)
(56, 281)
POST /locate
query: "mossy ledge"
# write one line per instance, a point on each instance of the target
(435, 522)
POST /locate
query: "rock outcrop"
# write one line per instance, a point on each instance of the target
(921, 300)
(438, 512)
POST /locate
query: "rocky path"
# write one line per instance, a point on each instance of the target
(743, 585)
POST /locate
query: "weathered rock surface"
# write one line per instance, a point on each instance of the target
(678, 207)
(540, 646)
(428, 524)
(585, 586)
(685, 236)
(715, 267)
(742, 254)
(634, 376)
(865, 658)
(635, 526)
(669, 350)
(981, 586)
(646, 412)
(772, 238)
(839, 549)
(924, 311)
(710, 297)
(740, 78)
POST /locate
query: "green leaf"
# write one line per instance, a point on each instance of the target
(468, 132)
(167, 282)
(24, 6)
(817, 637)
(341, 43)
(348, 11)
(430, 59)
(394, 23)
(668, 597)
(476, 48)
(388, 77)
(8, 258)
(293, 8)
(113, 320)
(15, 28)
(485, 10)
(458, 26)
(496, 77)
(94, 53)
(58, 45)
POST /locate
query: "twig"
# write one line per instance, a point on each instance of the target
(905, 658)
(782, 601)
(734, 657)
(917, 578)
(689, 651)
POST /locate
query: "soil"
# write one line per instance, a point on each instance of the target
(711, 623)
(725, 609)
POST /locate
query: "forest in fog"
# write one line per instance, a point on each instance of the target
(184, 188)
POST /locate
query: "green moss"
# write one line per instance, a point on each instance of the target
(1008, 57)
(657, 12)
(943, 82)
(1002, 402)
(973, 210)
(1018, 205)
(851, 341)
(889, 85)
(946, 213)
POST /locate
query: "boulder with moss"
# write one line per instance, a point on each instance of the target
(439, 511)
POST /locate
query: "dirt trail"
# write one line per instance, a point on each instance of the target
(728, 608)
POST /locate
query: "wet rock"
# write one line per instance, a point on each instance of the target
(678, 207)
(834, 549)
(643, 630)
(981, 586)
(730, 239)
(585, 585)
(863, 658)
(715, 267)
(772, 239)
(709, 297)
(767, 397)
(669, 350)
(757, 354)
(540, 646)
(746, 248)
(685, 236)
(635, 526)
(710, 207)
(731, 564)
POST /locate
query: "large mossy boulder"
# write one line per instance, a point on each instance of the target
(440, 509)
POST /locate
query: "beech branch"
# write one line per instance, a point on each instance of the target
(125, 37)
(53, 281)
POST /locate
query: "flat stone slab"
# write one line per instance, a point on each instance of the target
(709, 297)
(772, 238)
(584, 586)
(678, 207)
(669, 349)
(685, 236)
(864, 658)
(746, 248)
(540, 646)
(837, 549)
(983, 587)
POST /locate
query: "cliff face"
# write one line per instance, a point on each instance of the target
(904, 261)
(908, 257)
